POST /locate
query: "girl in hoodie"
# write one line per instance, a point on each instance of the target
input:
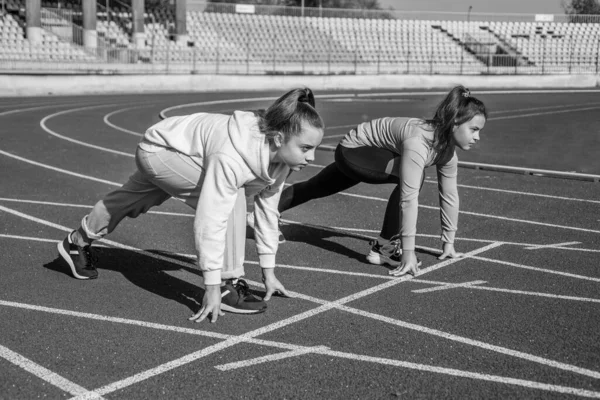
(397, 150)
(211, 162)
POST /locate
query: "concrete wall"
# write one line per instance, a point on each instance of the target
(39, 85)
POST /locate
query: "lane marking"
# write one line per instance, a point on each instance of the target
(543, 113)
(548, 271)
(522, 193)
(550, 246)
(43, 373)
(269, 358)
(339, 354)
(63, 171)
(268, 328)
(20, 110)
(107, 122)
(371, 315)
(79, 142)
(447, 286)
(341, 193)
(51, 203)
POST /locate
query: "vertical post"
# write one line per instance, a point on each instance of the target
(152, 49)
(597, 56)
(137, 16)
(408, 52)
(180, 21)
(378, 50)
(303, 22)
(355, 52)
(194, 59)
(248, 50)
(219, 29)
(107, 6)
(544, 55)
(431, 54)
(274, 51)
(90, 39)
(570, 53)
(34, 21)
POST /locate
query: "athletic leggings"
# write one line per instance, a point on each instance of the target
(372, 165)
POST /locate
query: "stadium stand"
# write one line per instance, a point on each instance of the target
(331, 44)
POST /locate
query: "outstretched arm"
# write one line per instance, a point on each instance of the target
(449, 205)
(411, 171)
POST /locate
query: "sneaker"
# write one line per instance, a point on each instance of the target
(389, 253)
(81, 260)
(236, 298)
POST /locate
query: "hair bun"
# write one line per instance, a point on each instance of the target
(466, 92)
(306, 96)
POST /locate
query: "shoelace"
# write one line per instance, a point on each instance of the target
(91, 258)
(242, 287)
(390, 248)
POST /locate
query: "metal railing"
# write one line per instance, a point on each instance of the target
(241, 43)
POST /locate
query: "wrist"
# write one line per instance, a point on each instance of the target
(268, 273)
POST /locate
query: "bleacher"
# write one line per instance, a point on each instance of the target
(14, 45)
(327, 44)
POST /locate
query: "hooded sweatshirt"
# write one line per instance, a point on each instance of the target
(233, 154)
(412, 139)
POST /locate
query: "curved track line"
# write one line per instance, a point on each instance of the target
(107, 122)
(341, 193)
(51, 132)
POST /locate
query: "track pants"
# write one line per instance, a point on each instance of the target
(351, 166)
(159, 176)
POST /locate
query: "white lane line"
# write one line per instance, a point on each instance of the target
(268, 328)
(338, 229)
(548, 271)
(235, 340)
(270, 358)
(524, 221)
(339, 354)
(475, 343)
(514, 116)
(549, 246)
(28, 238)
(537, 294)
(107, 121)
(543, 113)
(522, 193)
(79, 142)
(51, 203)
(471, 375)
(20, 110)
(447, 286)
(43, 373)
(63, 171)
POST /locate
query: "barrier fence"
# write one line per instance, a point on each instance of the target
(227, 38)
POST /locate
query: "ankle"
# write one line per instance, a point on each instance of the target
(78, 239)
(381, 241)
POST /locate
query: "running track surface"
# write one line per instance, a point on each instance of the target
(517, 318)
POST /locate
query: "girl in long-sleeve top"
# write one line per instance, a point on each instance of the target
(212, 162)
(397, 150)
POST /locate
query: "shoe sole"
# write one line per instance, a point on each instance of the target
(233, 310)
(65, 256)
(380, 259)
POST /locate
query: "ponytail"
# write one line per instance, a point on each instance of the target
(458, 107)
(287, 114)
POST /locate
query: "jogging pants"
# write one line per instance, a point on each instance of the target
(372, 165)
(160, 176)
